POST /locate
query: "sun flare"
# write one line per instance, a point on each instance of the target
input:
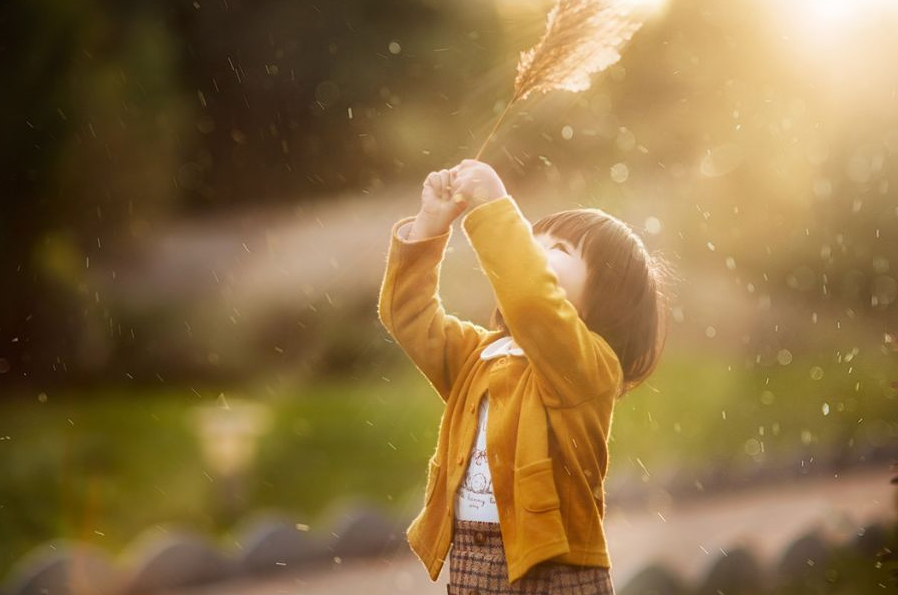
(828, 16)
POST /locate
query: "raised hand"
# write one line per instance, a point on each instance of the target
(439, 207)
(476, 182)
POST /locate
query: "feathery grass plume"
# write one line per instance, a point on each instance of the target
(581, 37)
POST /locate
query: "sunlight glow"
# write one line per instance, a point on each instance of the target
(648, 5)
(836, 34)
(828, 16)
(831, 11)
(843, 48)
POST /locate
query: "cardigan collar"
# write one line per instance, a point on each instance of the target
(499, 347)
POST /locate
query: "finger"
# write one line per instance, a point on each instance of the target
(446, 183)
(457, 184)
(454, 194)
(431, 178)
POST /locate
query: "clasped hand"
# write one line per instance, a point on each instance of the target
(448, 192)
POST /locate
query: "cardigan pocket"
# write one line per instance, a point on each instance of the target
(540, 533)
(433, 472)
(535, 486)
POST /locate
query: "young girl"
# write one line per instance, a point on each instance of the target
(516, 485)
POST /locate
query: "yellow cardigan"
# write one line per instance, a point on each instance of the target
(550, 413)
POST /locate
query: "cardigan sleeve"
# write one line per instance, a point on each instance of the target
(409, 307)
(572, 364)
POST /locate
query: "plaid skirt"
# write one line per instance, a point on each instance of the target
(477, 566)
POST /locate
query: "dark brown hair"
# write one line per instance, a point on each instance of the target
(627, 290)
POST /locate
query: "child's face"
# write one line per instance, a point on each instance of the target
(569, 266)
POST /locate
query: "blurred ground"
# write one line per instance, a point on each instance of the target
(688, 537)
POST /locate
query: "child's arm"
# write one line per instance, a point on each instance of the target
(409, 306)
(573, 363)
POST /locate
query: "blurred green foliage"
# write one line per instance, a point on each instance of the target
(810, 412)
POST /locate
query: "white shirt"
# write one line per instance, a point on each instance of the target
(474, 500)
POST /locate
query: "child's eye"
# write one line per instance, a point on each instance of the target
(563, 247)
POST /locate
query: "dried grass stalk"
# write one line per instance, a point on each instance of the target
(581, 37)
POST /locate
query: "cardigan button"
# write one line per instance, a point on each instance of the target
(461, 459)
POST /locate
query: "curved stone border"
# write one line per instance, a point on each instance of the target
(173, 560)
(272, 543)
(167, 558)
(64, 566)
(807, 560)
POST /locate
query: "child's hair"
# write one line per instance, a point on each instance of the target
(627, 292)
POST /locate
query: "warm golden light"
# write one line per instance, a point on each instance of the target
(830, 10)
(842, 45)
(648, 5)
(831, 17)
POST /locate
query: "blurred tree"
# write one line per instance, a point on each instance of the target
(123, 112)
(91, 137)
(304, 98)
